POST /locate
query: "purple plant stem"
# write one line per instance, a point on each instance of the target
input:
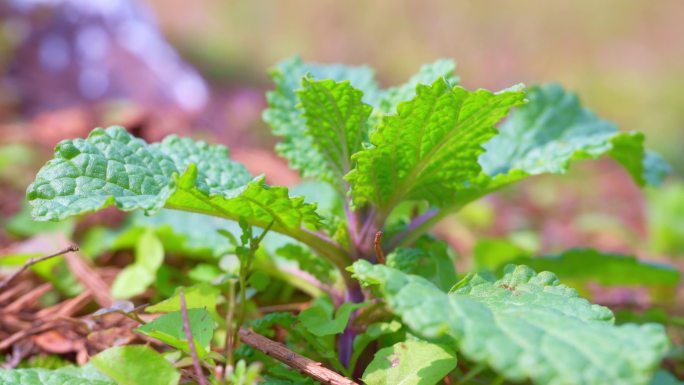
(345, 343)
(352, 221)
(191, 343)
(415, 224)
(365, 229)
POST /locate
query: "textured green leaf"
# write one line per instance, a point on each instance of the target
(336, 123)
(609, 269)
(430, 148)
(169, 329)
(524, 326)
(202, 295)
(136, 365)
(318, 318)
(429, 259)
(70, 375)
(428, 74)
(113, 167)
(553, 129)
(288, 121)
(134, 279)
(410, 363)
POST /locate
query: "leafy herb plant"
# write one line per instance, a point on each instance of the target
(396, 161)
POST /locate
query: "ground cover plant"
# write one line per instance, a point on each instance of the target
(387, 304)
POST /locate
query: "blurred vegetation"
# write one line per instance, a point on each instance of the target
(623, 58)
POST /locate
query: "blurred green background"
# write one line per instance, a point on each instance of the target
(624, 58)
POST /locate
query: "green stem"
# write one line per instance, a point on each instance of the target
(231, 333)
(243, 301)
(316, 241)
(419, 226)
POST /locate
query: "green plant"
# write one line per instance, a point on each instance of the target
(399, 160)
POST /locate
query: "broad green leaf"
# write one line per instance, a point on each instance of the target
(113, 167)
(319, 320)
(652, 315)
(608, 269)
(84, 375)
(410, 362)
(136, 278)
(552, 130)
(136, 365)
(169, 329)
(202, 295)
(428, 74)
(288, 121)
(429, 259)
(372, 333)
(523, 326)
(430, 149)
(577, 265)
(489, 254)
(336, 123)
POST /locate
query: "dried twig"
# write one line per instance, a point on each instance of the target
(16, 337)
(66, 308)
(311, 368)
(15, 290)
(89, 278)
(27, 299)
(191, 343)
(377, 242)
(32, 262)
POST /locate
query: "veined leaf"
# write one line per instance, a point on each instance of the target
(428, 74)
(412, 362)
(524, 326)
(136, 365)
(336, 122)
(202, 295)
(430, 149)
(113, 167)
(552, 130)
(289, 122)
(84, 375)
(587, 265)
(168, 328)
